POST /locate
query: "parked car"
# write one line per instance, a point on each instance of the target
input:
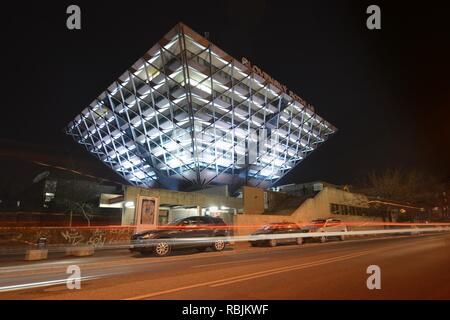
(287, 228)
(161, 241)
(326, 225)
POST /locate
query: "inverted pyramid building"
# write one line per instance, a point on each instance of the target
(187, 115)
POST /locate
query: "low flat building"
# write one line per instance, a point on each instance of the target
(301, 204)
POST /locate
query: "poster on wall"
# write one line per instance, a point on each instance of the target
(148, 211)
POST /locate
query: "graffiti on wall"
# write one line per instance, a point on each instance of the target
(72, 236)
(97, 237)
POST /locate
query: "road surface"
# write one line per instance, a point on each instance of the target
(412, 267)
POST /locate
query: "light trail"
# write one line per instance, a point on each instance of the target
(175, 241)
(32, 285)
(246, 226)
(415, 228)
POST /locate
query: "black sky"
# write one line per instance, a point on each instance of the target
(387, 91)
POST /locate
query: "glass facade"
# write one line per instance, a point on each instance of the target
(187, 115)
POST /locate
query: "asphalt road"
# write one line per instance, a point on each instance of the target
(415, 267)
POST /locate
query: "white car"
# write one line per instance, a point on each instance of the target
(327, 225)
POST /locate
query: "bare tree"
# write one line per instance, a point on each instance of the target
(77, 197)
(73, 206)
(408, 187)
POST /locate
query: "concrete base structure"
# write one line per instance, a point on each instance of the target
(36, 254)
(253, 208)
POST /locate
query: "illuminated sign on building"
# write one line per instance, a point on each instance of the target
(276, 83)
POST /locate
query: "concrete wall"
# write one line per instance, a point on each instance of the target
(319, 206)
(12, 237)
(253, 200)
(258, 201)
(275, 199)
(175, 214)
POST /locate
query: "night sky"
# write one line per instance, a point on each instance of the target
(387, 91)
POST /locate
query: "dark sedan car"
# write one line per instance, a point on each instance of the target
(277, 228)
(191, 232)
